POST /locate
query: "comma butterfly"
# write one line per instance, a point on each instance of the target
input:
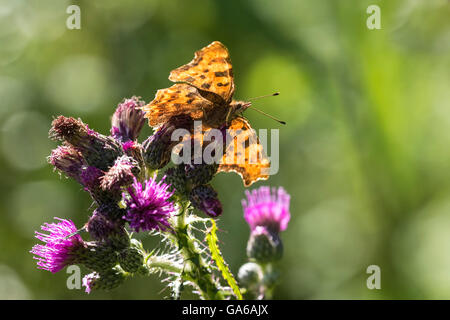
(204, 91)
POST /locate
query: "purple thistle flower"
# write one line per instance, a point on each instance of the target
(59, 250)
(128, 145)
(268, 209)
(148, 208)
(128, 120)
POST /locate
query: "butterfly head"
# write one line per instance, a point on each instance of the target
(240, 106)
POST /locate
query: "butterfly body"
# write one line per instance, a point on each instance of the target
(204, 90)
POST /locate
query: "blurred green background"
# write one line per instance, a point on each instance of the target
(365, 155)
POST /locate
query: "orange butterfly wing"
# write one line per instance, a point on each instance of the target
(210, 70)
(179, 99)
(244, 153)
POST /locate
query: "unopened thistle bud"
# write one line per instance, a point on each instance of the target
(199, 174)
(105, 280)
(128, 120)
(158, 147)
(176, 179)
(121, 174)
(250, 275)
(100, 257)
(98, 150)
(205, 199)
(131, 259)
(101, 227)
(264, 245)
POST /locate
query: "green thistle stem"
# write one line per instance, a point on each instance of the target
(196, 269)
(163, 264)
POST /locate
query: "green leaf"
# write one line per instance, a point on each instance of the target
(211, 238)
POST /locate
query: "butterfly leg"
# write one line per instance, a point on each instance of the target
(204, 114)
(228, 116)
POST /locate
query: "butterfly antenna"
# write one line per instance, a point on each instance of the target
(268, 115)
(264, 96)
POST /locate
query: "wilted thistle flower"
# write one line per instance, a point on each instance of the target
(268, 209)
(62, 247)
(120, 174)
(67, 160)
(148, 205)
(98, 150)
(205, 198)
(91, 178)
(128, 120)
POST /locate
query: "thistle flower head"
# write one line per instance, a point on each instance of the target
(148, 205)
(267, 208)
(128, 120)
(67, 128)
(120, 174)
(67, 160)
(61, 247)
(97, 150)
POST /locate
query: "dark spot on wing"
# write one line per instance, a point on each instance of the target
(206, 85)
(221, 73)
